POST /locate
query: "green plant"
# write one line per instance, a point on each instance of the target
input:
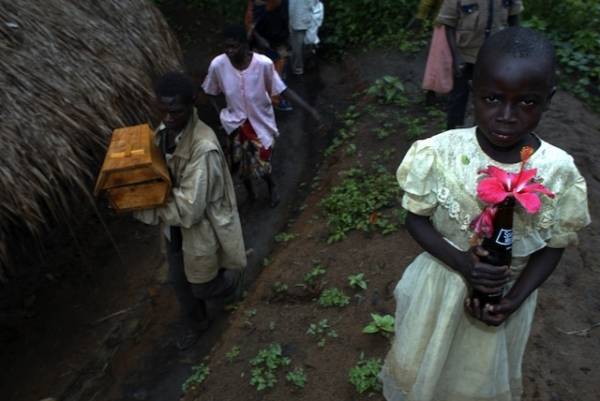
(297, 377)
(250, 313)
(265, 365)
(333, 297)
(389, 90)
(198, 376)
(284, 237)
(364, 375)
(310, 278)
(358, 202)
(321, 330)
(233, 353)
(279, 288)
(357, 281)
(383, 324)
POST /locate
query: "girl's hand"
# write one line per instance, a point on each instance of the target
(492, 315)
(481, 276)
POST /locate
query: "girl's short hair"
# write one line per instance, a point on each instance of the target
(518, 42)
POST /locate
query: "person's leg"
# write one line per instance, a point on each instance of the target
(193, 311)
(297, 44)
(458, 98)
(190, 309)
(274, 198)
(215, 293)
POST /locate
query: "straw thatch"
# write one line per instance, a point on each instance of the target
(70, 72)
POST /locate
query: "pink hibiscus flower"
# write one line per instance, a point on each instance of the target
(500, 184)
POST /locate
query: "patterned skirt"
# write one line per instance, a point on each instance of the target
(249, 154)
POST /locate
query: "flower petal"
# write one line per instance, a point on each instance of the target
(483, 225)
(523, 179)
(505, 178)
(530, 201)
(537, 187)
(491, 190)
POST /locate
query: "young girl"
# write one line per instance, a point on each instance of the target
(448, 347)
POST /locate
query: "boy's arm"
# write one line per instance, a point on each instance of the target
(188, 201)
(297, 100)
(540, 266)
(458, 64)
(449, 17)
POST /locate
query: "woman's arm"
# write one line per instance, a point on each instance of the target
(480, 276)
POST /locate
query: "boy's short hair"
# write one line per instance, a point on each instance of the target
(175, 83)
(518, 42)
(235, 32)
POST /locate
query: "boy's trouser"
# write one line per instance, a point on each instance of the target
(458, 98)
(198, 302)
(297, 44)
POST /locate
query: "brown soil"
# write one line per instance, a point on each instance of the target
(562, 360)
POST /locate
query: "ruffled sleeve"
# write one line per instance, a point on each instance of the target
(570, 216)
(417, 178)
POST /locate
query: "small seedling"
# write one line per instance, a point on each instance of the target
(380, 324)
(265, 365)
(297, 377)
(279, 288)
(199, 374)
(232, 354)
(333, 297)
(284, 237)
(321, 330)
(250, 313)
(364, 375)
(318, 270)
(357, 281)
(272, 325)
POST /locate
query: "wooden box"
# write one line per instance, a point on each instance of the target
(134, 174)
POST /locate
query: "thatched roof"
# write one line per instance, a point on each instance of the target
(70, 72)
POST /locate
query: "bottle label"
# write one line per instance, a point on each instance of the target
(505, 238)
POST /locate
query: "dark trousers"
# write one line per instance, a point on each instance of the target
(198, 302)
(458, 98)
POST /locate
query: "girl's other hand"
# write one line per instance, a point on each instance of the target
(492, 315)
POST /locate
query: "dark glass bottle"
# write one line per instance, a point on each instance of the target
(499, 246)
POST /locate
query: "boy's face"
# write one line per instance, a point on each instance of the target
(235, 51)
(510, 96)
(175, 111)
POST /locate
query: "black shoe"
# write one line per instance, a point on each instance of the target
(190, 335)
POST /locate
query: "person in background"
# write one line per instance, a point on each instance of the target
(301, 19)
(468, 25)
(267, 25)
(248, 80)
(204, 243)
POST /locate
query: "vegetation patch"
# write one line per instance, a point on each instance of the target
(359, 201)
(364, 375)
